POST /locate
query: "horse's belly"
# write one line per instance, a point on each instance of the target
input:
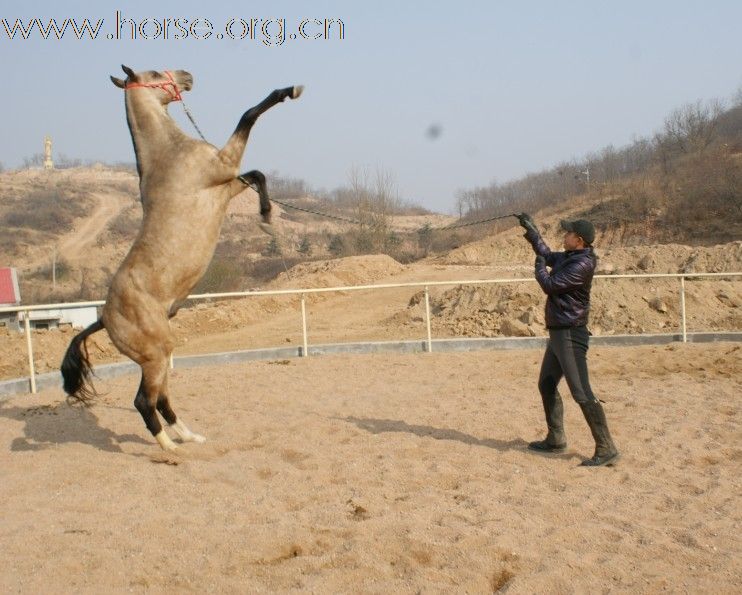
(172, 251)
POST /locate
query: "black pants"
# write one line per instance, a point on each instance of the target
(565, 356)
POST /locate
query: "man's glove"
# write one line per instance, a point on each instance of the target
(526, 222)
(540, 262)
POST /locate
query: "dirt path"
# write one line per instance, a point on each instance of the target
(76, 243)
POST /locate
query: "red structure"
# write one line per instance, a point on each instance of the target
(10, 295)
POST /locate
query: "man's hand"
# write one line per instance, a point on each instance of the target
(526, 222)
(540, 262)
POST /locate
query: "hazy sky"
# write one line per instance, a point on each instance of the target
(512, 87)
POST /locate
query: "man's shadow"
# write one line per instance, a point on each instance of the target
(47, 426)
(378, 426)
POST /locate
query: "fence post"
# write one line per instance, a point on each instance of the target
(305, 350)
(682, 310)
(29, 348)
(427, 319)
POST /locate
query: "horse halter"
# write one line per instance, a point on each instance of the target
(165, 86)
(174, 93)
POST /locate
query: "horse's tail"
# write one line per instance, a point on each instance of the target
(76, 367)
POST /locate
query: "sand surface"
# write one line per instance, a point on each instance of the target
(382, 474)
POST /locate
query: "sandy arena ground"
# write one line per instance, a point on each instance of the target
(382, 474)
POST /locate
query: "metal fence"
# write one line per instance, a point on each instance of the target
(681, 277)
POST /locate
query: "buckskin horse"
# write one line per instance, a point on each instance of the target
(185, 186)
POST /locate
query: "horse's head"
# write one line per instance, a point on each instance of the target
(165, 85)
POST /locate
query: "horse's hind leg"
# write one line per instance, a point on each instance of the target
(184, 433)
(154, 377)
(256, 180)
(163, 406)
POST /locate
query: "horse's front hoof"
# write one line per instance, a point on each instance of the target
(165, 442)
(267, 228)
(296, 91)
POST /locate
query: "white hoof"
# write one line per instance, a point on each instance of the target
(297, 91)
(267, 228)
(185, 434)
(165, 442)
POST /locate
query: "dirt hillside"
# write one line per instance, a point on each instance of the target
(619, 306)
(98, 211)
(82, 221)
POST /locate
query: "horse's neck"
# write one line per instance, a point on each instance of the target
(153, 131)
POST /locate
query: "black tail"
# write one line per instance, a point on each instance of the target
(76, 368)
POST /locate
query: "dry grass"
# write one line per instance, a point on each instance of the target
(51, 210)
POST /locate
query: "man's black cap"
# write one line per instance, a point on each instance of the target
(582, 227)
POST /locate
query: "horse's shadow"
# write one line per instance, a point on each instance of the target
(47, 426)
(378, 426)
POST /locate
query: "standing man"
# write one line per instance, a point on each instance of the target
(567, 286)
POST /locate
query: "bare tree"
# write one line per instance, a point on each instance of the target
(373, 199)
(737, 98)
(425, 238)
(385, 195)
(461, 203)
(285, 187)
(64, 162)
(692, 127)
(35, 160)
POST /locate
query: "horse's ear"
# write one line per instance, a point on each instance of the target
(129, 72)
(118, 82)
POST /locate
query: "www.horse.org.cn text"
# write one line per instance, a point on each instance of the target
(268, 31)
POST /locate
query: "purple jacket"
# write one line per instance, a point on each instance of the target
(567, 285)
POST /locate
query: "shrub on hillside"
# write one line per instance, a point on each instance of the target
(126, 224)
(267, 269)
(222, 275)
(44, 210)
(706, 198)
(336, 245)
(61, 272)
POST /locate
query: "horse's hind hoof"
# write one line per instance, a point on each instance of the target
(267, 228)
(165, 442)
(296, 91)
(185, 434)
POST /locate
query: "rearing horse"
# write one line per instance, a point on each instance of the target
(185, 187)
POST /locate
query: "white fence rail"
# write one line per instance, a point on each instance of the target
(303, 292)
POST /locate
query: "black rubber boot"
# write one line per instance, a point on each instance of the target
(555, 440)
(606, 452)
(546, 446)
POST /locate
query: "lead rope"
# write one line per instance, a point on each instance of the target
(190, 117)
(338, 217)
(356, 222)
